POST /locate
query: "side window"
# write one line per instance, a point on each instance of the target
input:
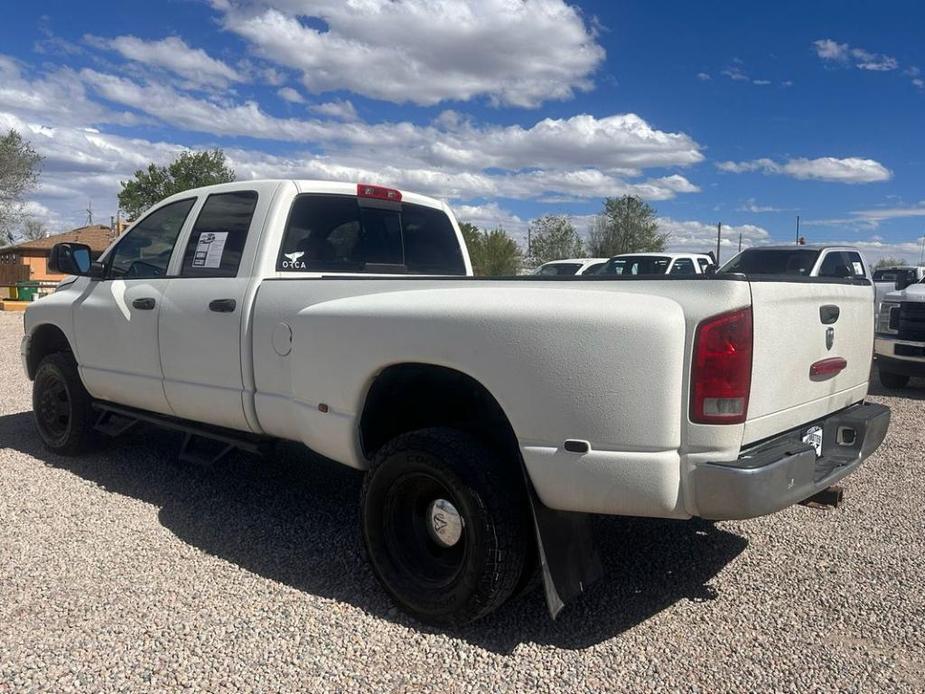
(857, 265)
(841, 264)
(704, 264)
(144, 252)
(683, 266)
(218, 237)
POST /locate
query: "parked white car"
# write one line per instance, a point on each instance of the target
(571, 266)
(343, 317)
(899, 344)
(635, 264)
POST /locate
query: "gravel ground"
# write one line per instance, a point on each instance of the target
(127, 570)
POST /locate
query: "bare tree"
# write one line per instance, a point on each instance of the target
(33, 229)
(19, 171)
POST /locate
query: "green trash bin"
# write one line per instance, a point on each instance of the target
(27, 291)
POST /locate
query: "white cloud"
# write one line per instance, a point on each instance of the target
(703, 76)
(880, 214)
(623, 144)
(514, 53)
(846, 170)
(700, 237)
(490, 216)
(291, 95)
(173, 54)
(340, 109)
(833, 52)
(751, 206)
(736, 73)
(65, 114)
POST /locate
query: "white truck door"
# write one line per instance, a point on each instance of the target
(116, 320)
(204, 310)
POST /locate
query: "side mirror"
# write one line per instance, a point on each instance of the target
(70, 259)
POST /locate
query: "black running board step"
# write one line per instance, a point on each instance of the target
(203, 444)
(114, 424)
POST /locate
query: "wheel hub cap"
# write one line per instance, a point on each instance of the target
(444, 523)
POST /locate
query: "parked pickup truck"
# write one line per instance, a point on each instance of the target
(899, 344)
(490, 416)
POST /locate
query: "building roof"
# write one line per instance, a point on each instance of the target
(98, 237)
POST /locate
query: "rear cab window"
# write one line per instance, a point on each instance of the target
(637, 265)
(798, 261)
(558, 269)
(683, 266)
(347, 234)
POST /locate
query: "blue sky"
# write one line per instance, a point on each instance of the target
(742, 113)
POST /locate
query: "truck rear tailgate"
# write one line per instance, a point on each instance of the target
(798, 324)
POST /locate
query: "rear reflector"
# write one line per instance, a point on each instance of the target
(828, 367)
(721, 372)
(378, 192)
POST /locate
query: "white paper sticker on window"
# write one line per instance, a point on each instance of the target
(209, 250)
(858, 268)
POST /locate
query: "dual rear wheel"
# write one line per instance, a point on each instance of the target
(446, 526)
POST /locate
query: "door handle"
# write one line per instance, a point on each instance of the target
(222, 305)
(145, 304)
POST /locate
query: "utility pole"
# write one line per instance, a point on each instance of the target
(797, 239)
(740, 242)
(719, 233)
(90, 213)
(922, 254)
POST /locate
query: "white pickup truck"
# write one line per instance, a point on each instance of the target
(899, 344)
(490, 415)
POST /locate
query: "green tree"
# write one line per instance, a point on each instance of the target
(189, 170)
(625, 225)
(19, 171)
(552, 237)
(493, 253)
(889, 262)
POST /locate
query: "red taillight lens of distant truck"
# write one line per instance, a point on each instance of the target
(721, 376)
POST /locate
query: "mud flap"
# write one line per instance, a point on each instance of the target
(568, 554)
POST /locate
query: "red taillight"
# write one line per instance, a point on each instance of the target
(721, 376)
(828, 367)
(378, 192)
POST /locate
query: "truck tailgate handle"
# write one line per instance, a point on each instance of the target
(222, 305)
(828, 314)
(146, 304)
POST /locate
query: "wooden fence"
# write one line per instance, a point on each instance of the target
(11, 273)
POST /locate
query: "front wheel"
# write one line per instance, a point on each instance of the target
(62, 406)
(893, 381)
(446, 526)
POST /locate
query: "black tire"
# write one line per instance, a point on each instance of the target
(455, 585)
(61, 405)
(893, 381)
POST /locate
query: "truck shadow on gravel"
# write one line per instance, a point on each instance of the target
(293, 519)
